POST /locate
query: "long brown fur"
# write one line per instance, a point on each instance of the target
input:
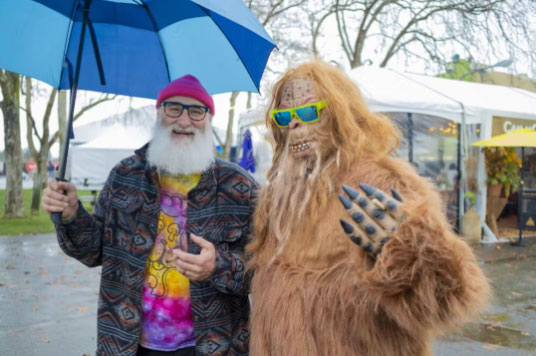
(313, 293)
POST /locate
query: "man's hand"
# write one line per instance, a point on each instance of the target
(196, 267)
(375, 217)
(60, 197)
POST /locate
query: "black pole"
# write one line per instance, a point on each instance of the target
(458, 179)
(520, 203)
(56, 217)
(410, 137)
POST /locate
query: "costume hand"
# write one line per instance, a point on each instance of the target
(60, 197)
(374, 217)
(196, 267)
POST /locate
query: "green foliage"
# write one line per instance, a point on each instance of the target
(459, 70)
(37, 224)
(502, 167)
(471, 197)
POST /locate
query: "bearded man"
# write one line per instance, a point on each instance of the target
(387, 281)
(169, 230)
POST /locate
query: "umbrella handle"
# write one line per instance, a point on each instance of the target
(56, 217)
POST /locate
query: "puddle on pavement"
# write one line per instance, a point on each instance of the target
(500, 317)
(503, 319)
(500, 335)
(531, 307)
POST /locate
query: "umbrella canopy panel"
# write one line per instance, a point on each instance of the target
(142, 45)
(33, 39)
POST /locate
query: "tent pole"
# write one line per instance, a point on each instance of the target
(520, 204)
(410, 137)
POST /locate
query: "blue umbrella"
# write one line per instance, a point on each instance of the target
(134, 47)
(247, 161)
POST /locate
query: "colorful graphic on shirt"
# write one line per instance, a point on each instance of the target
(167, 311)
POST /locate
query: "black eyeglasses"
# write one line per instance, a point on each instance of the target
(174, 109)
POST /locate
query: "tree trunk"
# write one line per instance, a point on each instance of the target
(229, 135)
(14, 205)
(40, 178)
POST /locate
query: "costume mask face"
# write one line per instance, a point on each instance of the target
(301, 138)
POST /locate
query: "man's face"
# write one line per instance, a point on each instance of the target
(180, 144)
(301, 137)
(185, 124)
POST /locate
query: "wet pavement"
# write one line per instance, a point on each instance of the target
(48, 302)
(508, 327)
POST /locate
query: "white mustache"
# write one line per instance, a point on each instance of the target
(178, 130)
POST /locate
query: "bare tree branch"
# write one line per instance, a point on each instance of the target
(34, 128)
(93, 104)
(489, 28)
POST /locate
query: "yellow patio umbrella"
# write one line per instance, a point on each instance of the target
(515, 138)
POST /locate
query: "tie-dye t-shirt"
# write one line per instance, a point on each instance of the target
(167, 311)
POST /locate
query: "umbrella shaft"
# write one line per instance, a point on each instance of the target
(74, 89)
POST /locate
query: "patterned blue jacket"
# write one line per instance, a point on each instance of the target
(120, 235)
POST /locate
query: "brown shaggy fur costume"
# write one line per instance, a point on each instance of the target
(314, 291)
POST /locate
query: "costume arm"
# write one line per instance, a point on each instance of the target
(81, 238)
(426, 277)
(230, 274)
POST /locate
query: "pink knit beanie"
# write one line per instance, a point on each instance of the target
(186, 86)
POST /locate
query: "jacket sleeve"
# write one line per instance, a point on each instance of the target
(230, 274)
(81, 238)
(426, 277)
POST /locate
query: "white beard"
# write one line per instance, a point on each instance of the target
(181, 156)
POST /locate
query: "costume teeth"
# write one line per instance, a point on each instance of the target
(300, 147)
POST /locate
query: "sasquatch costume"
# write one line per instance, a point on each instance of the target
(370, 288)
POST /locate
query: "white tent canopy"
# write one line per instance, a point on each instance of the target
(93, 161)
(387, 90)
(465, 103)
(98, 146)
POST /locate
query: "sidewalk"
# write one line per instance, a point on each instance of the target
(508, 327)
(48, 302)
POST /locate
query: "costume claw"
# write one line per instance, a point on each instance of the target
(356, 239)
(371, 230)
(379, 196)
(378, 214)
(351, 192)
(369, 190)
(391, 206)
(347, 203)
(358, 217)
(368, 248)
(396, 195)
(347, 227)
(363, 202)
